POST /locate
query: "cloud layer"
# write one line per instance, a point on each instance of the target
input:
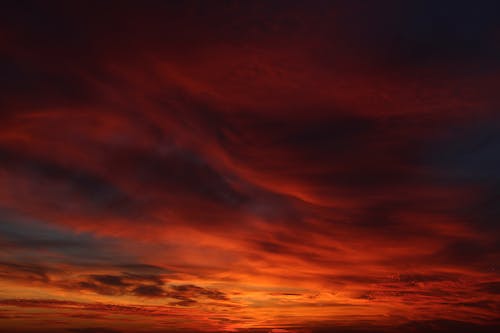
(249, 166)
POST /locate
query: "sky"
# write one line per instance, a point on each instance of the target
(249, 166)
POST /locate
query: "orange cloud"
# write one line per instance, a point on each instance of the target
(248, 168)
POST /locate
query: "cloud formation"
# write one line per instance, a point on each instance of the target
(249, 166)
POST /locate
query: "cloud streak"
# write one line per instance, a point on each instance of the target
(249, 167)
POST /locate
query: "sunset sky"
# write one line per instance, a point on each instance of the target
(249, 166)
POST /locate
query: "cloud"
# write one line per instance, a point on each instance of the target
(490, 287)
(148, 291)
(92, 330)
(111, 280)
(191, 291)
(249, 167)
(23, 272)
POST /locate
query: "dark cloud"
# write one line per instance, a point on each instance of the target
(415, 278)
(301, 167)
(468, 153)
(483, 304)
(468, 157)
(38, 241)
(148, 291)
(187, 291)
(96, 287)
(177, 171)
(26, 272)
(58, 182)
(468, 252)
(124, 284)
(490, 287)
(111, 280)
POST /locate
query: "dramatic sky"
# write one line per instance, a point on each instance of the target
(249, 166)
